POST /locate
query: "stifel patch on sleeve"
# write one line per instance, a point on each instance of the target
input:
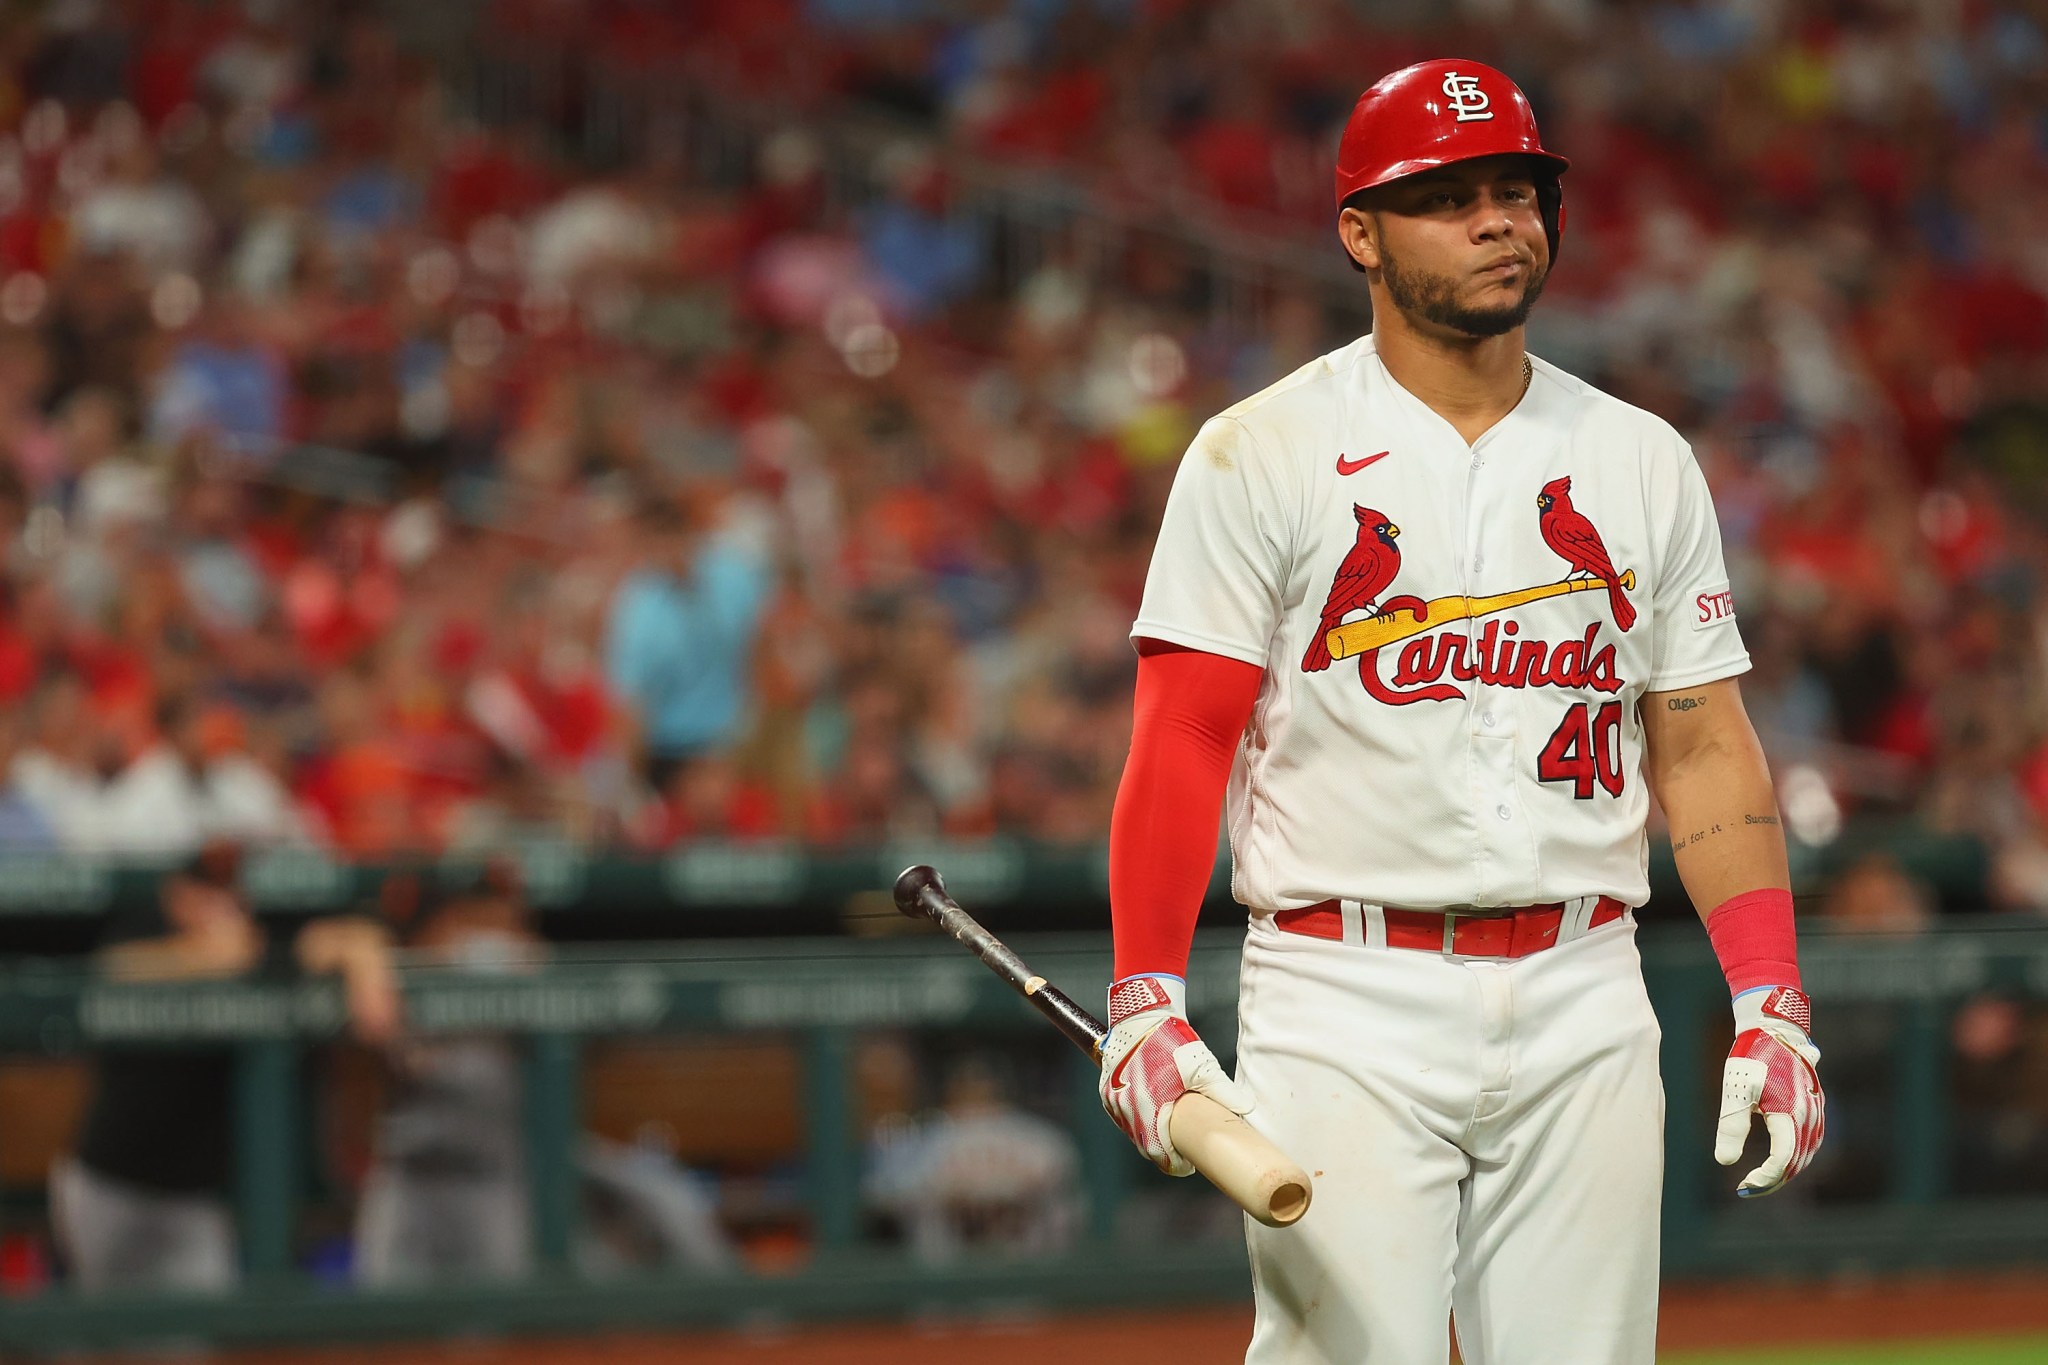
(1712, 607)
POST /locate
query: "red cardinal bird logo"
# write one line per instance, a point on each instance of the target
(1370, 565)
(1566, 530)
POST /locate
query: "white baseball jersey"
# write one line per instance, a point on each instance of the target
(1497, 610)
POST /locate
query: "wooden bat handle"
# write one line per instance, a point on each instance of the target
(1235, 1156)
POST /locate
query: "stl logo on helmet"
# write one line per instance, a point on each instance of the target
(1466, 97)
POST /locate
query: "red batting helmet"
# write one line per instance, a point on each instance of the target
(1436, 113)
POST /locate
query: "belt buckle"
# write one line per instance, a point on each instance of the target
(1450, 933)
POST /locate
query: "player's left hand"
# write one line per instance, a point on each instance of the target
(1772, 1070)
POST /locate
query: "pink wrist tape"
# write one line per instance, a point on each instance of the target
(1753, 936)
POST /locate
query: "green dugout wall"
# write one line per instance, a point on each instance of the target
(822, 993)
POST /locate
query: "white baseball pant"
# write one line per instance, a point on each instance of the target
(1486, 1136)
(417, 1229)
(115, 1235)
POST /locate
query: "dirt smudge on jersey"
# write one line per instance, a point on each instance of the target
(1219, 454)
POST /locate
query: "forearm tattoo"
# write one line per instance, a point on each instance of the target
(1681, 842)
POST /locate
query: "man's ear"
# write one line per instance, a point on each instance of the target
(1360, 235)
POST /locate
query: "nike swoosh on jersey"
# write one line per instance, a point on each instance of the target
(1350, 466)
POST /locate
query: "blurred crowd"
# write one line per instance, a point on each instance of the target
(397, 465)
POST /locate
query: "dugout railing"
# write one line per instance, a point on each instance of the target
(56, 903)
(822, 994)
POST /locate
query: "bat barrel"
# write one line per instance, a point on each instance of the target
(920, 891)
(921, 894)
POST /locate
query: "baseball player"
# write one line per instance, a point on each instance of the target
(1429, 620)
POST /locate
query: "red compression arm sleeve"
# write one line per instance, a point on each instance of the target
(1754, 936)
(1191, 709)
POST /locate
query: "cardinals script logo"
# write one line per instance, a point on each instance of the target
(1498, 656)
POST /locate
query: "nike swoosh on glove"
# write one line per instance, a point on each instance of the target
(1772, 1070)
(1150, 1059)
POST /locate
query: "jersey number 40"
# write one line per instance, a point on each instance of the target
(1583, 752)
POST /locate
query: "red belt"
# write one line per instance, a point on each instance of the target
(1504, 932)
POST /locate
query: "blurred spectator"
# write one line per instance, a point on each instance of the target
(223, 580)
(517, 806)
(109, 484)
(24, 827)
(154, 804)
(447, 1196)
(98, 330)
(1874, 895)
(137, 209)
(223, 381)
(929, 256)
(55, 768)
(359, 782)
(681, 636)
(644, 1211)
(199, 779)
(245, 793)
(980, 1174)
(2001, 1092)
(708, 798)
(142, 1203)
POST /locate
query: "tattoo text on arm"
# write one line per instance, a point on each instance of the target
(1681, 842)
(1684, 703)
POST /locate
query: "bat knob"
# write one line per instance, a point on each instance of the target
(911, 885)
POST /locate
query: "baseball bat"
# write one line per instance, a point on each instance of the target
(1235, 1156)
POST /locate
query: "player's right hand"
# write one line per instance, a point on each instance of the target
(1150, 1059)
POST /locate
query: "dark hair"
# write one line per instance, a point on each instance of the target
(217, 863)
(173, 712)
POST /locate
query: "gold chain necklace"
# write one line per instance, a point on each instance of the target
(1528, 373)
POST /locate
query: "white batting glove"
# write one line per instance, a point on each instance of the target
(1151, 1058)
(1772, 1070)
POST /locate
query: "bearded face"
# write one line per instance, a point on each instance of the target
(1448, 300)
(1461, 248)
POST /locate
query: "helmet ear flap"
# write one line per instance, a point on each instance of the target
(1550, 199)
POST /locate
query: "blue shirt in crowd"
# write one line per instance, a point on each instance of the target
(679, 649)
(239, 391)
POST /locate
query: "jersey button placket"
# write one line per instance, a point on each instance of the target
(1502, 859)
